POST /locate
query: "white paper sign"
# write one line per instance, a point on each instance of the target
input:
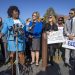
(55, 37)
(70, 44)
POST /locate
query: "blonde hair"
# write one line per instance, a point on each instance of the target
(37, 15)
(53, 18)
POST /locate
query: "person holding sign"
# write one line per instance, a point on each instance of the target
(51, 26)
(69, 31)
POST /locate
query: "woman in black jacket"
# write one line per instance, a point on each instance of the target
(50, 26)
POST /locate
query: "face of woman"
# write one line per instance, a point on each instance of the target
(50, 19)
(34, 17)
(15, 14)
(60, 21)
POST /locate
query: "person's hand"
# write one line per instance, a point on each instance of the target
(70, 37)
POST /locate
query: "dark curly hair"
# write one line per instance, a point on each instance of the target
(10, 10)
(72, 9)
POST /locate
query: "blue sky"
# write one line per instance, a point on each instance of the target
(27, 7)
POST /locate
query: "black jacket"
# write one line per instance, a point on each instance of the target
(49, 27)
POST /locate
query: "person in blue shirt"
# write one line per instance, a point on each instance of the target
(14, 27)
(35, 30)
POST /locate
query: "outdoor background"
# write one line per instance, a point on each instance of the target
(27, 7)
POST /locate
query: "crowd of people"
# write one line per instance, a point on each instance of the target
(25, 37)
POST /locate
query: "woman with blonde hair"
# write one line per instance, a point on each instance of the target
(51, 26)
(35, 30)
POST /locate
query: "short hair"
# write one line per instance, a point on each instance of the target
(10, 10)
(72, 9)
(28, 19)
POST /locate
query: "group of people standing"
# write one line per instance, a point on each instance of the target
(26, 37)
(14, 27)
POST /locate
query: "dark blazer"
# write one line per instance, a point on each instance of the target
(49, 27)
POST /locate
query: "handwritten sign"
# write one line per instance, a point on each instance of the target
(55, 37)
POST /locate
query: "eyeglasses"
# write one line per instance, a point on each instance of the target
(50, 17)
(33, 15)
(59, 20)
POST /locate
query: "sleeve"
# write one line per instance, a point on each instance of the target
(24, 28)
(65, 32)
(56, 28)
(39, 29)
(30, 24)
(44, 28)
(5, 28)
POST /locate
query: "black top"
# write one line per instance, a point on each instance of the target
(49, 27)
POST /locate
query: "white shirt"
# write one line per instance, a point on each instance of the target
(17, 21)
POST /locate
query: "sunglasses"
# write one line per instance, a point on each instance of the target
(59, 20)
(70, 13)
(50, 17)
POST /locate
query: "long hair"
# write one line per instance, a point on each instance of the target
(53, 18)
(37, 15)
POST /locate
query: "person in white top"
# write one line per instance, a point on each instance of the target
(60, 24)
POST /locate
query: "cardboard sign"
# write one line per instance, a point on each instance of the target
(55, 37)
